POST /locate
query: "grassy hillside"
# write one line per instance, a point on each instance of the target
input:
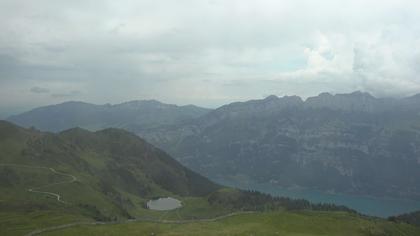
(107, 176)
(110, 157)
(272, 223)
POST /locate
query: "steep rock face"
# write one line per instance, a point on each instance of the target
(351, 143)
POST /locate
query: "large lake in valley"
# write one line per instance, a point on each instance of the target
(382, 207)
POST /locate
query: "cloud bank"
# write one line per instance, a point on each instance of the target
(204, 52)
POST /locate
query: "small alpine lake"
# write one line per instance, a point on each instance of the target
(164, 204)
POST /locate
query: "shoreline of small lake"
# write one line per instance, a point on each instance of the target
(164, 204)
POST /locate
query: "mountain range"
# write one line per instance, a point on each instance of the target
(128, 115)
(345, 143)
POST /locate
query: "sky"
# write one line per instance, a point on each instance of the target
(206, 53)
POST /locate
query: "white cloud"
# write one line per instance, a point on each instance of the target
(206, 52)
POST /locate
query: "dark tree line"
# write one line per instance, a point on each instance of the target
(256, 201)
(409, 218)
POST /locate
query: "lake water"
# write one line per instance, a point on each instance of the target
(382, 207)
(164, 204)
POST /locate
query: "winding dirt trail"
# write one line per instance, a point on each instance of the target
(74, 178)
(35, 189)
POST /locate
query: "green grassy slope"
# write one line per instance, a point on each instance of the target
(116, 173)
(272, 223)
(109, 175)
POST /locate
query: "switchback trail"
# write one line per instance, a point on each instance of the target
(58, 227)
(74, 178)
(35, 189)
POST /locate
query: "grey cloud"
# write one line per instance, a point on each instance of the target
(8, 66)
(206, 52)
(12, 68)
(70, 94)
(39, 90)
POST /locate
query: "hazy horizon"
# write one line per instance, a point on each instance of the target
(17, 111)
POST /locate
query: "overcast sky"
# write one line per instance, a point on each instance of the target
(204, 52)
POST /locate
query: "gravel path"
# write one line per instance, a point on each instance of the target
(35, 189)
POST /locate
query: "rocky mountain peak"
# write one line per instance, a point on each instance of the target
(355, 101)
(271, 98)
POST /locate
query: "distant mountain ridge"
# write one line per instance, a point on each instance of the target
(128, 115)
(360, 101)
(356, 101)
(143, 114)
